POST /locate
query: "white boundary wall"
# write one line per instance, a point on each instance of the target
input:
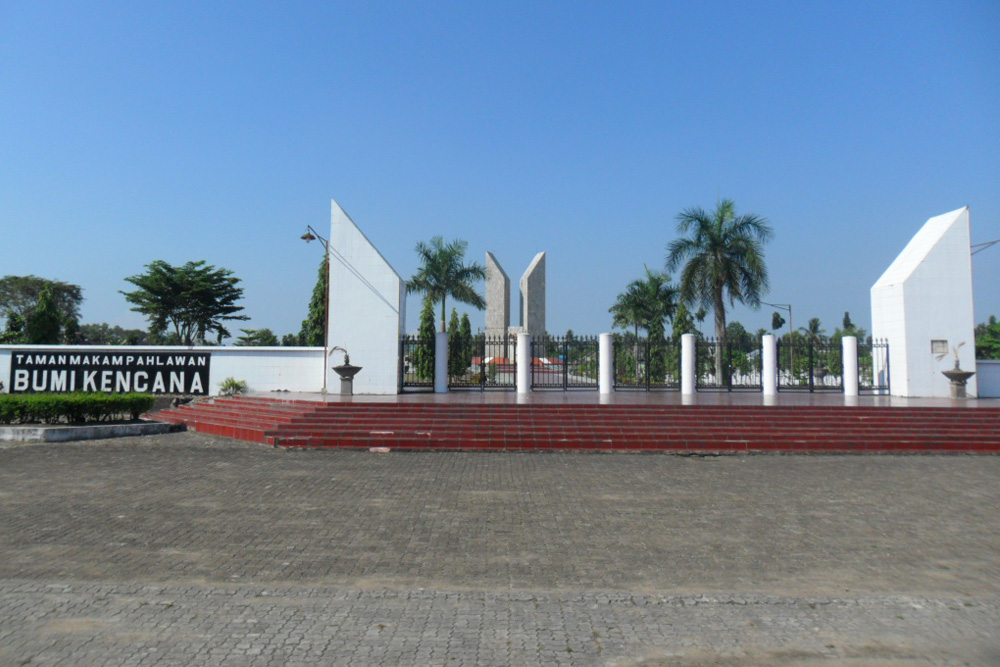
(988, 374)
(367, 309)
(262, 368)
(926, 295)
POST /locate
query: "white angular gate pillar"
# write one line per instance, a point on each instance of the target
(769, 353)
(523, 363)
(605, 365)
(689, 374)
(850, 357)
(441, 363)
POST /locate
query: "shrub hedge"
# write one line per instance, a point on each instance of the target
(73, 408)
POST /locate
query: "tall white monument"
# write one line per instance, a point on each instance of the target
(367, 309)
(923, 306)
(497, 298)
(533, 297)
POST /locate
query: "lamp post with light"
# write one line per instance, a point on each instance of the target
(791, 330)
(310, 236)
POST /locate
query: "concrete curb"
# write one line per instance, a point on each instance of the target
(70, 433)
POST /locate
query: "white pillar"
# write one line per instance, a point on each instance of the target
(523, 363)
(770, 364)
(605, 366)
(689, 374)
(441, 363)
(850, 357)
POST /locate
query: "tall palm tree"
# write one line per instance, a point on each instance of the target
(658, 298)
(647, 303)
(627, 311)
(815, 333)
(723, 258)
(443, 274)
(659, 303)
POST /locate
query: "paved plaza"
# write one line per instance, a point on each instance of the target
(187, 549)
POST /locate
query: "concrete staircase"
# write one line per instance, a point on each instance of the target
(717, 428)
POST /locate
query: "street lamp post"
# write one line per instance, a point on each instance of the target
(791, 331)
(310, 236)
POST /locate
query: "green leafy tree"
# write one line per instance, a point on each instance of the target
(848, 324)
(814, 331)
(314, 326)
(627, 311)
(683, 323)
(20, 297)
(988, 339)
(648, 303)
(455, 368)
(659, 301)
(442, 274)
(721, 259)
(71, 332)
(738, 336)
(837, 343)
(468, 346)
(289, 340)
(741, 343)
(423, 355)
(194, 299)
(14, 331)
(777, 321)
(44, 325)
(105, 334)
(257, 338)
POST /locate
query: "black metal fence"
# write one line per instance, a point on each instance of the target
(640, 364)
(484, 362)
(416, 364)
(733, 366)
(873, 366)
(560, 362)
(811, 365)
(479, 363)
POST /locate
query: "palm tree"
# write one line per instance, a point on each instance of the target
(646, 303)
(628, 311)
(442, 274)
(815, 333)
(659, 301)
(723, 258)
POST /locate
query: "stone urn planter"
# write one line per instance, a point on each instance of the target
(346, 371)
(958, 378)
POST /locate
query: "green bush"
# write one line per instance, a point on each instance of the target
(232, 387)
(73, 408)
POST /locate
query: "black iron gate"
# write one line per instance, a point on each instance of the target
(873, 366)
(484, 362)
(730, 366)
(640, 364)
(564, 362)
(416, 364)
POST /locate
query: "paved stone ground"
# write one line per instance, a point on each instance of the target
(187, 549)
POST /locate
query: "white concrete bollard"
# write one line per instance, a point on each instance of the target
(606, 364)
(850, 357)
(770, 364)
(689, 373)
(441, 363)
(523, 363)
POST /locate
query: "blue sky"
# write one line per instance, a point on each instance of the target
(136, 131)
